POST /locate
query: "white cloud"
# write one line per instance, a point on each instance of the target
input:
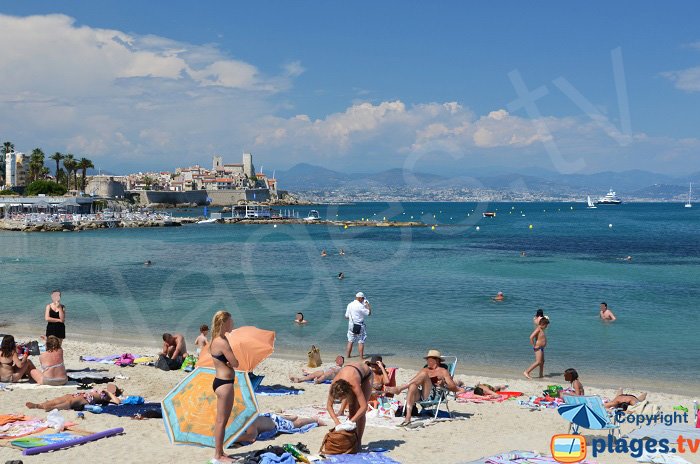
(686, 79)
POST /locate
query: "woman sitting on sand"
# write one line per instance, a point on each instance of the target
(52, 370)
(380, 377)
(78, 401)
(622, 401)
(353, 383)
(12, 367)
(570, 375)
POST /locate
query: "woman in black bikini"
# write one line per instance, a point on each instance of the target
(352, 383)
(224, 363)
(624, 401)
(55, 315)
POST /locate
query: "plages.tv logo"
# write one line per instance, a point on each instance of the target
(568, 448)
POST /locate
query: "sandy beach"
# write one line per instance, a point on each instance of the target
(478, 430)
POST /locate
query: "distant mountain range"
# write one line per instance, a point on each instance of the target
(633, 183)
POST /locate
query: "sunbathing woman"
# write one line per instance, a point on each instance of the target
(13, 367)
(622, 401)
(77, 401)
(267, 426)
(486, 390)
(320, 375)
(353, 383)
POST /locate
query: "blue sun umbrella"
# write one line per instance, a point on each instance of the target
(189, 409)
(583, 416)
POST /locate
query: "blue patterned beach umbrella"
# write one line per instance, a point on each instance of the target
(189, 409)
(582, 415)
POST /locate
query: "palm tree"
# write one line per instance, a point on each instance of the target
(69, 163)
(36, 162)
(85, 164)
(57, 157)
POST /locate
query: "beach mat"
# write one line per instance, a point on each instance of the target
(277, 390)
(44, 440)
(669, 432)
(361, 458)
(518, 457)
(129, 410)
(34, 386)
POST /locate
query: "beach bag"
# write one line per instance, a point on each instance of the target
(189, 363)
(127, 359)
(314, 357)
(340, 442)
(166, 364)
(33, 348)
(553, 391)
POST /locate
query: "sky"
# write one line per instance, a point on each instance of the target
(441, 87)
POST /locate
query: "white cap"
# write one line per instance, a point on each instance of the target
(359, 295)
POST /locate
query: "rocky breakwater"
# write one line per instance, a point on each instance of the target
(82, 225)
(325, 222)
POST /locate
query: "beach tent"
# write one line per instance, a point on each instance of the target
(250, 345)
(189, 409)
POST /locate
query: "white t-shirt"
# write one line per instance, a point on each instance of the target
(356, 312)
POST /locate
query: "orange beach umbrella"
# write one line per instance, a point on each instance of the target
(250, 345)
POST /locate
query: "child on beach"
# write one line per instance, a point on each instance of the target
(570, 375)
(539, 341)
(201, 341)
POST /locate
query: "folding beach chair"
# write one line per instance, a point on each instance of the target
(439, 395)
(591, 414)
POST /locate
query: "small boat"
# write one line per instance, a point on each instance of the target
(688, 204)
(489, 214)
(312, 216)
(206, 221)
(609, 199)
(591, 205)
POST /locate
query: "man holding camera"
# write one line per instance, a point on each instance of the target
(355, 313)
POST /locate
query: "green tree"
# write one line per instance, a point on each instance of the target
(36, 164)
(57, 157)
(84, 164)
(69, 164)
(46, 187)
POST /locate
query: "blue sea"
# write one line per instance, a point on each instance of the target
(429, 288)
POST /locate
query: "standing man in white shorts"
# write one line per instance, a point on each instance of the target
(356, 312)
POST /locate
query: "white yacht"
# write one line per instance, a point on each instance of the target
(312, 216)
(688, 204)
(609, 199)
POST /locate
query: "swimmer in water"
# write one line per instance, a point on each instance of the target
(324, 253)
(147, 263)
(605, 313)
(341, 276)
(499, 297)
